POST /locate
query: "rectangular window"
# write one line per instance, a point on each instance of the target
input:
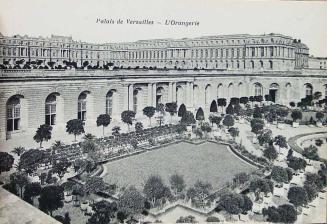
(82, 110)
(13, 117)
(50, 114)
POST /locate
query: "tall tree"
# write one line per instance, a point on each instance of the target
(280, 141)
(51, 198)
(279, 174)
(171, 108)
(177, 183)
(188, 118)
(155, 189)
(60, 167)
(75, 127)
(103, 120)
(131, 202)
(20, 179)
(127, 117)
(32, 190)
(270, 153)
(43, 133)
(297, 196)
(6, 161)
(259, 185)
(311, 152)
(228, 121)
(94, 184)
(149, 112)
(232, 203)
(104, 211)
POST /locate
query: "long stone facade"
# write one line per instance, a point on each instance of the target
(29, 98)
(227, 52)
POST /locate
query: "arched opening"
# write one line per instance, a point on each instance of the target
(261, 64)
(207, 94)
(179, 95)
(258, 89)
(231, 90)
(82, 103)
(13, 108)
(288, 91)
(213, 106)
(196, 93)
(308, 89)
(159, 95)
(199, 114)
(270, 64)
(219, 91)
(273, 92)
(181, 110)
(110, 102)
(252, 64)
(240, 90)
(51, 109)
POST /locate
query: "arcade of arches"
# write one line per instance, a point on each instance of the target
(26, 109)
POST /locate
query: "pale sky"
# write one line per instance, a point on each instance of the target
(77, 18)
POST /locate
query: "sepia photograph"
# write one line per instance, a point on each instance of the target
(166, 111)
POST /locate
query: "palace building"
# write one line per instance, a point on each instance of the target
(113, 77)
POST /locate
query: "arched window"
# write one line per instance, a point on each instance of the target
(159, 95)
(109, 102)
(13, 113)
(207, 94)
(230, 90)
(308, 89)
(252, 64)
(261, 64)
(257, 89)
(51, 109)
(135, 92)
(270, 64)
(81, 111)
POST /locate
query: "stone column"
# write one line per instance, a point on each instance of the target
(191, 94)
(170, 92)
(154, 94)
(174, 92)
(130, 97)
(149, 94)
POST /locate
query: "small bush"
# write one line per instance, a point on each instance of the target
(212, 219)
(318, 142)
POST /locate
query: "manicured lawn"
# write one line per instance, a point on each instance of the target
(208, 162)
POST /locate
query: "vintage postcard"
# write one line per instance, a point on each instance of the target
(166, 111)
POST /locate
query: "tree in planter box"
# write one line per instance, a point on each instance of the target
(230, 109)
(222, 103)
(311, 152)
(296, 115)
(280, 141)
(319, 116)
(282, 113)
(257, 113)
(270, 153)
(228, 121)
(244, 100)
(258, 99)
